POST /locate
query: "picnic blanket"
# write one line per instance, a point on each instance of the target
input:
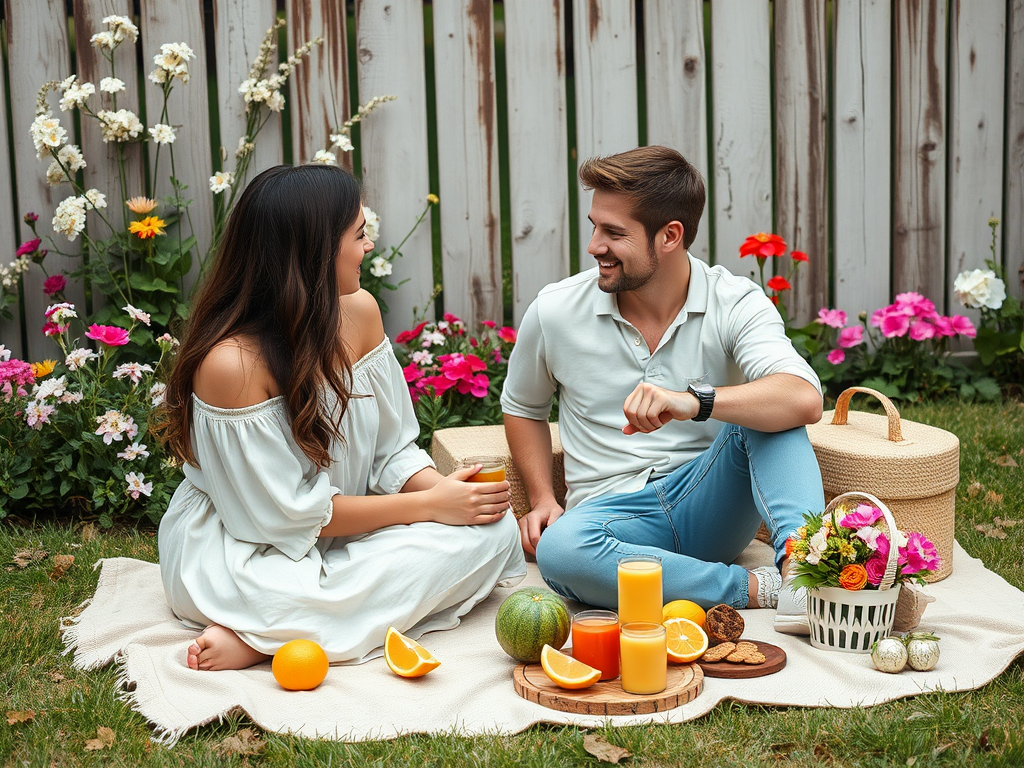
(978, 615)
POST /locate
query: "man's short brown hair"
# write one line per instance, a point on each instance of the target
(661, 185)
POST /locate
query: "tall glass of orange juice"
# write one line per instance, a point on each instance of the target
(644, 654)
(640, 589)
(595, 641)
(492, 469)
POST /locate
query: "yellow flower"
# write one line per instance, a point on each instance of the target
(44, 368)
(433, 199)
(140, 205)
(847, 551)
(151, 226)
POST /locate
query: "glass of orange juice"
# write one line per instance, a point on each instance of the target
(492, 468)
(595, 641)
(639, 580)
(644, 657)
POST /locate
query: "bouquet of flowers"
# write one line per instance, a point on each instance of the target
(849, 547)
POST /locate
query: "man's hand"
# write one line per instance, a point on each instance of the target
(533, 523)
(649, 408)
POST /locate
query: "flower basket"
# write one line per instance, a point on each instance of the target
(851, 622)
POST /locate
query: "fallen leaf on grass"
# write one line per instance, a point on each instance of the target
(245, 742)
(993, 498)
(823, 753)
(36, 602)
(1005, 523)
(1006, 460)
(61, 563)
(991, 531)
(104, 738)
(14, 717)
(26, 557)
(56, 676)
(88, 532)
(974, 489)
(603, 749)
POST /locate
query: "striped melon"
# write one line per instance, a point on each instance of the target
(529, 619)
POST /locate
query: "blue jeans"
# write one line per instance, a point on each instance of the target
(697, 519)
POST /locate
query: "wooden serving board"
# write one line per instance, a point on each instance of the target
(685, 683)
(774, 660)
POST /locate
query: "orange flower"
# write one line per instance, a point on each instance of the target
(763, 245)
(790, 543)
(140, 205)
(45, 368)
(853, 577)
(151, 226)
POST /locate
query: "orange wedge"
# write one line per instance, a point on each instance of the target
(685, 639)
(406, 657)
(567, 672)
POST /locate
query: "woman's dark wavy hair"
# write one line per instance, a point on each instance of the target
(275, 279)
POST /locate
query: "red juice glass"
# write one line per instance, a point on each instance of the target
(595, 641)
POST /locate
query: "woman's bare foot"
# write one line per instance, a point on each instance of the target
(220, 648)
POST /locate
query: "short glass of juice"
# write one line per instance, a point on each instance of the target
(644, 657)
(595, 641)
(492, 469)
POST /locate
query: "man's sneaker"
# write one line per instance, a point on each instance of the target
(769, 580)
(791, 615)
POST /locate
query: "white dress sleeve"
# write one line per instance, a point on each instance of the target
(263, 487)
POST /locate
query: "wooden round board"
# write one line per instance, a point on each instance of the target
(685, 682)
(774, 660)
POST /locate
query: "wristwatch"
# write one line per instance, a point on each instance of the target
(704, 393)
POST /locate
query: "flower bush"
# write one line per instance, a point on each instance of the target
(849, 547)
(455, 379)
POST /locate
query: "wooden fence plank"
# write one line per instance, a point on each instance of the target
(919, 182)
(677, 103)
(238, 29)
(861, 165)
(1013, 217)
(37, 41)
(741, 110)
(535, 62)
(393, 144)
(10, 330)
(319, 86)
(604, 53)
(801, 147)
(467, 156)
(187, 106)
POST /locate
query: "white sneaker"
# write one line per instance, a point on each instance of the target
(791, 615)
(769, 582)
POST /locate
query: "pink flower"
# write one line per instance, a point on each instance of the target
(439, 384)
(52, 329)
(895, 324)
(489, 323)
(963, 326)
(862, 516)
(507, 334)
(412, 372)
(875, 566)
(54, 284)
(834, 318)
(110, 335)
(16, 372)
(136, 486)
(475, 385)
(29, 246)
(31, 218)
(915, 305)
(473, 342)
(921, 330)
(133, 371)
(460, 367)
(851, 337)
(921, 554)
(37, 414)
(944, 326)
(836, 356)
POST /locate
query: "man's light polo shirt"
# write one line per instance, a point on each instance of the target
(574, 341)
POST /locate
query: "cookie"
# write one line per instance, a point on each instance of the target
(746, 645)
(744, 650)
(723, 624)
(755, 658)
(718, 652)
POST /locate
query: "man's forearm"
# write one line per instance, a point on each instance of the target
(775, 403)
(530, 443)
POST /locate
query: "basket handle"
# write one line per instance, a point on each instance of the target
(841, 412)
(889, 577)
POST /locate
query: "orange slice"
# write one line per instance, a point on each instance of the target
(406, 657)
(567, 672)
(685, 639)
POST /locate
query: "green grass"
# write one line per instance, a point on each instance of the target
(981, 727)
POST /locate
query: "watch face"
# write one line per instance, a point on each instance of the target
(704, 389)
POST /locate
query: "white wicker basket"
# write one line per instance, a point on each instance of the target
(842, 620)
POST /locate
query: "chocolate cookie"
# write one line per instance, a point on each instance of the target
(723, 624)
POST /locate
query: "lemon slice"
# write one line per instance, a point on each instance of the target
(406, 657)
(567, 672)
(685, 640)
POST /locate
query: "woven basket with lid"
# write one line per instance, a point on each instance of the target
(914, 468)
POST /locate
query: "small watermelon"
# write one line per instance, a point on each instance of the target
(529, 619)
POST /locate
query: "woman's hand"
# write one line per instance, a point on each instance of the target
(453, 501)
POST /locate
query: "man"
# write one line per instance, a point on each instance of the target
(682, 405)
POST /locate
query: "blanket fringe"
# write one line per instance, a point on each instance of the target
(70, 631)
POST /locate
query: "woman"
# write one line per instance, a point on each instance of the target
(307, 511)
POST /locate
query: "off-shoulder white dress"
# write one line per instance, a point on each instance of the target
(239, 543)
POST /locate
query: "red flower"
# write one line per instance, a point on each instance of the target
(798, 256)
(29, 246)
(779, 283)
(54, 284)
(507, 334)
(763, 245)
(406, 336)
(450, 318)
(52, 329)
(412, 372)
(439, 384)
(489, 323)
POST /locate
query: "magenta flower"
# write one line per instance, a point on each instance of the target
(29, 246)
(943, 326)
(412, 372)
(875, 566)
(31, 218)
(895, 324)
(963, 326)
(16, 372)
(834, 318)
(921, 330)
(110, 335)
(851, 337)
(862, 516)
(836, 356)
(507, 334)
(52, 329)
(921, 554)
(489, 323)
(440, 384)
(54, 284)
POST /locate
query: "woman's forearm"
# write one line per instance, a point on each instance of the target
(354, 515)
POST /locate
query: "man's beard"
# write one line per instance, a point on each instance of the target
(631, 282)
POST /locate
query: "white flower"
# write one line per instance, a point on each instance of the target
(372, 224)
(122, 28)
(37, 414)
(869, 535)
(133, 371)
(136, 486)
(173, 61)
(71, 397)
(137, 314)
(162, 134)
(55, 175)
(816, 547)
(111, 85)
(133, 452)
(325, 157)
(71, 156)
(167, 342)
(434, 338)
(342, 142)
(380, 267)
(103, 40)
(221, 181)
(156, 393)
(158, 76)
(122, 125)
(61, 314)
(75, 96)
(46, 132)
(78, 357)
(244, 146)
(114, 424)
(442, 325)
(422, 357)
(5, 354)
(980, 288)
(96, 198)
(49, 388)
(69, 217)
(275, 101)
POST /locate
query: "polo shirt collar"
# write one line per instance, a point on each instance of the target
(696, 296)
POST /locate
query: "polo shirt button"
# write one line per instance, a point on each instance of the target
(636, 341)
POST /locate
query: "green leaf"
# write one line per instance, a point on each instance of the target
(20, 492)
(883, 386)
(147, 283)
(988, 388)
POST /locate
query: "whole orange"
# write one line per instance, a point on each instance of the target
(684, 609)
(299, 665)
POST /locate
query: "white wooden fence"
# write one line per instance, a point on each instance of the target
(826, 122)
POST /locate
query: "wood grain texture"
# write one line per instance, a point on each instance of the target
(37, 45)
(467, 155)
(535, 62)
(685, 683)
(389, 49)
(1013, 219)
(741, 115)
(604, 53)
(10, 330)
(677, 101)
(801, 150)
(919, 181)
(774, 660)
(188, 107)
(319, 86)
(862, 136)
(238, 29)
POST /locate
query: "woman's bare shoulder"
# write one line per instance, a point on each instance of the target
(363, 328)
(233, 375)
